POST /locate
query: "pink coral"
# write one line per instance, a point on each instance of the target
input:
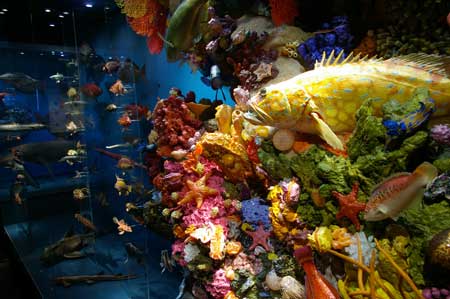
(249, 263)
(178, 252)
(220, 285)
(212, 208)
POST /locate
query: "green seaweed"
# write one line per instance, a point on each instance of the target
(427, 220)
(369, 134)
(423, 223)
(442, 164)
(305, 167)
(285, 265)
(276, 165)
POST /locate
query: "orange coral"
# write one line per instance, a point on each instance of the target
(283, 11)
(151, 24)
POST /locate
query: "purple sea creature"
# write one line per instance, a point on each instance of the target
(441, 134)
(439, 187)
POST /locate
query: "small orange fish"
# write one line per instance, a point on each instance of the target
(122, 226)
(317, 286)
(125, 163)
(124, 121)
(118, 88)
(86, 222)
(398, 192)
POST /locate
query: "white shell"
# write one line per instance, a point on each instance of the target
(291, 288)
(283, 139)
(273, 280)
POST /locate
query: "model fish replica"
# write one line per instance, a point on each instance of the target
(167, 262)
(20, 128)
(22, 82)
(135, 253)
(85, 222)
(317, 286)
(122, 226)
(398, 192)
(324, 101)
(111, 108)
(67, 281)
(43, 153)
(118, 89)
(122, 187)
(67, 248)
(130, 72)
(58, 77)
(80, 193)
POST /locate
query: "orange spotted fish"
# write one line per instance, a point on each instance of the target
(324, 101)
(398, 192)
(122, 226)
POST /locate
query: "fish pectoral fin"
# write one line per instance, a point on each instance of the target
(74, 255)
(326, 133)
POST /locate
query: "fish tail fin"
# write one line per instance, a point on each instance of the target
(427, 171)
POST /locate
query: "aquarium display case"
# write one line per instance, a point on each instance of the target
(222, 149)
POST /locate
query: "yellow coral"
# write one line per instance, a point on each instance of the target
(321, 239)
(223, 117)
(220, 147)
(134, 8)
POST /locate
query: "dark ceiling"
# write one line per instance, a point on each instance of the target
(29, 22)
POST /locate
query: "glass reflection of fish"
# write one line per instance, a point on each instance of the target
(135, 253)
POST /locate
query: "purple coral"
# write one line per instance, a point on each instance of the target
(336, 37)
(441, 134)
(220, 285)
(431, 293)
(254, 212)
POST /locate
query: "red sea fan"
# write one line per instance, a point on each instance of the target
(283, 11)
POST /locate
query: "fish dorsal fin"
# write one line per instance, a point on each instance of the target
(436, 64)
(377, 187)
(333, 60)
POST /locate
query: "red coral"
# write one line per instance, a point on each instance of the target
(91, 90)
(136, 111)
(283, 12)
(252, 151)
(174, 124)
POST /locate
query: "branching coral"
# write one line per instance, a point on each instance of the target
(174, 124)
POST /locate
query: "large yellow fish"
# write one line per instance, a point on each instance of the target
(324, 101)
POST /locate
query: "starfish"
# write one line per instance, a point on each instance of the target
(259, 237)
(264, 70)
(350, 206)
(198, 191)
